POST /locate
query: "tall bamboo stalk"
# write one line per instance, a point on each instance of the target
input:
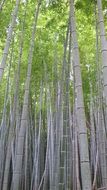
(11, 131)
(4, 126)
(9, 38)
(83, 142)
(21, 136)
(103, 45)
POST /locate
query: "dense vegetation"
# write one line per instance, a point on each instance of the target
(53, 94)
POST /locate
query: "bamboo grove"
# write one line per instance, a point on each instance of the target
(51, 136)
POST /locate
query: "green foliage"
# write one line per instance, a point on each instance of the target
(50, 35)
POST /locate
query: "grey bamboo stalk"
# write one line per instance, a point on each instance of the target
(37, 147)
(21, 136)
(95, 171)
(11, 131)
(75, 170)
(51, 147)
(103, 45)
(77, 162)
(48, 161)
(59, 113)
(96, 116)
(101, 127)
(57, 140)
(68, 113)
(55, 104)
(35, 142)
(50, 142)
(8, 40)
(92, 135)
(102, 148)
(76, 186)
(62, 182)
(83, 141)
(3, 123)
(26, 161)
(46, 175)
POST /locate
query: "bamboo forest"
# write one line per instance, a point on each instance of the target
(53, 95)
